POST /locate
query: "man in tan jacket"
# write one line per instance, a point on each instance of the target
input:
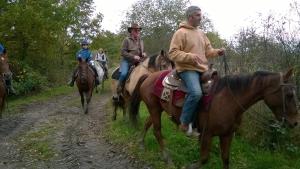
(189, 50)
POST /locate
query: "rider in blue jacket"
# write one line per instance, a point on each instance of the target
(8, 80)
(85, 54)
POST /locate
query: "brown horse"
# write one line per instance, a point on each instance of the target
(85, 82)
(232, 96)
(151, 64)
(5, 73)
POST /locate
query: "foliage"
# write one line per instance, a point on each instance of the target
(44, 35)
(27, 81)
(159, 20)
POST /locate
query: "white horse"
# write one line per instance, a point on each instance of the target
(100, 73)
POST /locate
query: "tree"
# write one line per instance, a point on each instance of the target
(159, 19)
(44, 35)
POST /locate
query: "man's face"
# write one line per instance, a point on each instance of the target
(85, 46)
(135, 33)
(196, 18)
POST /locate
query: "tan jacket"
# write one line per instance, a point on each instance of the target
(130, 48)
(187, 43)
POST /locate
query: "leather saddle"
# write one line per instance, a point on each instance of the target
(173, 85)
(116, 73)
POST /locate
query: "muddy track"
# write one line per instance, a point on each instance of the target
(56, 134)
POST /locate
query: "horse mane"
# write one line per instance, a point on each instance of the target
(152, 60)
(239, 83)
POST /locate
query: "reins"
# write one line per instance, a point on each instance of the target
(281, 87)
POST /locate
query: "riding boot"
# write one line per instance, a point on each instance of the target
(9, 86)
(73, 78)
(96, 75)
(120, 87)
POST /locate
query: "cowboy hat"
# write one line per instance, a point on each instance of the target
(134, 26)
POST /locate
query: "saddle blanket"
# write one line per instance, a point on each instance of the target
(178, 95)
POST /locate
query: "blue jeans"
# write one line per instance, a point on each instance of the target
(124, 68)
(194, 93)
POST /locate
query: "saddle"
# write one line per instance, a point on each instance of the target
(116, 73)
(173, 89)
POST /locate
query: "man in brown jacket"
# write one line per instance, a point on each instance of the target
(189, 50)
(132, 51)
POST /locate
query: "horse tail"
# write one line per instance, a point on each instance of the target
(135, 100)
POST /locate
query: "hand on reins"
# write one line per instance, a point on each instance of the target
(136, 57)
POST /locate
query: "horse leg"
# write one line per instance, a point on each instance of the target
(124, 104)
(225, 142)
(115, 105)
(85, 109)
(147, 125)
(205, 141)
(156, 120)
(205, 148)
(96, 89)
(82, 99)
(88, 99)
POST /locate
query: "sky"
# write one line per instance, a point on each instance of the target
(228, 16)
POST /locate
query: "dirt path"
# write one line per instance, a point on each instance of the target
(56, 134)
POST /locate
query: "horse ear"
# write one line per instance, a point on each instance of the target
(79, 59)
(288, 74)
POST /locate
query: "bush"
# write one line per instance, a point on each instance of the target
(26, 80)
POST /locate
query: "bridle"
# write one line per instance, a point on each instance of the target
(282, 86)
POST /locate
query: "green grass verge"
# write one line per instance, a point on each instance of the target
(184, 150)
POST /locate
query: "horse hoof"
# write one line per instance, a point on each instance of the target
(114, 118)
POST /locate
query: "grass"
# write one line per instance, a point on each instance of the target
(184, 151)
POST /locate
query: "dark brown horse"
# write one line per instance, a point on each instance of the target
(151, 64)
(5, 73)
(232, 96)
(85, 82)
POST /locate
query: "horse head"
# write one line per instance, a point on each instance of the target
(82, 63)
(281, 98)
(160, 61)
(4, 66)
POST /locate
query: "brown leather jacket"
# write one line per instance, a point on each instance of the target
(131, 47)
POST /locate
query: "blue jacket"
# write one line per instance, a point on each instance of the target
(84, 54)
(2, 49)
